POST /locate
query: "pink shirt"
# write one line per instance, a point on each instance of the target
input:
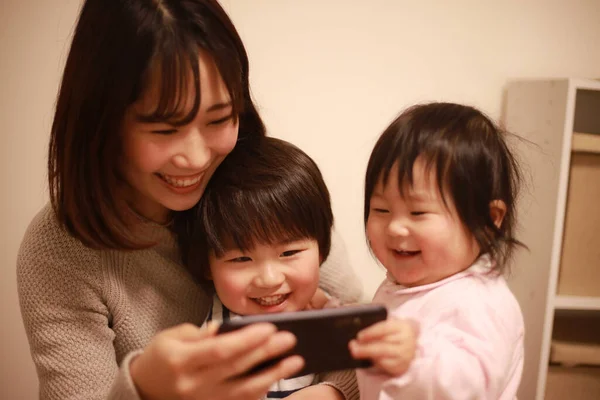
(470, 344)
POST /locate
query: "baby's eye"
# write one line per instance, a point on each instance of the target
(381, 210)
(290, 253)
(240, 259)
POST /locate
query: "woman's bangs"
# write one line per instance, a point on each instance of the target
(168, 83)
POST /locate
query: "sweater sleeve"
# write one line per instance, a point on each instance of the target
(60, 286)
(338, 278)
(344, 381)
(464, 356)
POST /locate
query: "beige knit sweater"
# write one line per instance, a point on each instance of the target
(87, 312)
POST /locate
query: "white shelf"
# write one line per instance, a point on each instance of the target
(586, 84)
(586, 142)
(577, 303)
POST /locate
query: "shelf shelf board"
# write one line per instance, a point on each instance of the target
(586, 142)
(586, 84)
(577, 303)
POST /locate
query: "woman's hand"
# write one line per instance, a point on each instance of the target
(390, 344)
(187, 362)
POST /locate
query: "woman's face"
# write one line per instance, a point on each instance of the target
(168, 167)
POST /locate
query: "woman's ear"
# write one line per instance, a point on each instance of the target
(497, 212)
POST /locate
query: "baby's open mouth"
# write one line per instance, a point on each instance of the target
(407, 252)
(268, 301)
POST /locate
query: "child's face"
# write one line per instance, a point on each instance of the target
(268, 278)
(418, 239)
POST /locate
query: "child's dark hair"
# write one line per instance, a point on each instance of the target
(265, 191)
(472, 162)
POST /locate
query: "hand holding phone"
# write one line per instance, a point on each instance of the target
(322, 335)
(391, 345)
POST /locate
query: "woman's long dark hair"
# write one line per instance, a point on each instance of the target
(116, 45)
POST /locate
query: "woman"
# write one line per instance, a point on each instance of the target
(154, 95)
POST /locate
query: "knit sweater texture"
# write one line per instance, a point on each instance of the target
(88, 312)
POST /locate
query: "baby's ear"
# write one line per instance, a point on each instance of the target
(497, 212)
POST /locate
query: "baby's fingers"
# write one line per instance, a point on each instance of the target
(393, 366)
(374, 350)
(383, 329)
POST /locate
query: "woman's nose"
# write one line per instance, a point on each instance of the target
(193, 152)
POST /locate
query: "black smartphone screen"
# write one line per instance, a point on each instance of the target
(322, 335)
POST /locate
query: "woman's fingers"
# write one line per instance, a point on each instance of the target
(225, 347)
(276, 345)
(256, 385)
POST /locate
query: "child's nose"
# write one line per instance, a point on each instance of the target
(397, 227)
(269, 276)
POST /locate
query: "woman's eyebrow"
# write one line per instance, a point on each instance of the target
(218, 106)
(150, 119)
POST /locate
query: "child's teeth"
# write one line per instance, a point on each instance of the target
(271, 300)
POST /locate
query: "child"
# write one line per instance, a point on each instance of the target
(260, 233)
(440, 193)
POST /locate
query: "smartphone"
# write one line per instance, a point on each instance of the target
(322, 335)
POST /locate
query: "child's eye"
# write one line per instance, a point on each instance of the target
(240, 259)
(417, 213)
(221, 120)
(290, 253)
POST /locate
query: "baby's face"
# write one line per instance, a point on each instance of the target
(418, 238)
(269, 278)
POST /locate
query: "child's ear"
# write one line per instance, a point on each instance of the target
(207, 274)
(497, 212)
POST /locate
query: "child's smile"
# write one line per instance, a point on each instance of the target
(402, 254)
(416, 236)
(271, 301)
(268, 278)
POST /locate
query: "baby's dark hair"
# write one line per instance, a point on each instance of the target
(472, 161)
(265, 191)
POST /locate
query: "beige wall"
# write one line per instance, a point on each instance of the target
(328, 75)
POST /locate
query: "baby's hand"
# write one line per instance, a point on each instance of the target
(390, 344)
(322, 300)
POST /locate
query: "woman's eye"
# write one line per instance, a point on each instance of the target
(165, 131)
(290, 253)
(221, 120)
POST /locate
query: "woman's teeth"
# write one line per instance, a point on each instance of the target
(177, 182)
(268, 301)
